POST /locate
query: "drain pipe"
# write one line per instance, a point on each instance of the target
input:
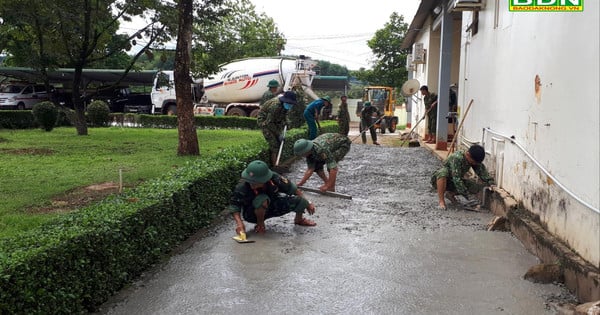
(513, 141)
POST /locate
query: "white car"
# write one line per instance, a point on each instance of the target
(22, 96)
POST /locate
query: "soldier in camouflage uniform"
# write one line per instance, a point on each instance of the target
(273, 85)
(272, 118)
(296, 114)
(430, 100)
(326, 149)
(367, 122)
(343, 117)
(262, 194)
(450, 179)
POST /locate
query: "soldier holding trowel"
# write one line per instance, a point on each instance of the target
(448, 180)
(272, 120)
(262, 194)
(326, 149)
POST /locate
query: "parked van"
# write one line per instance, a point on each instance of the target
(22, 96)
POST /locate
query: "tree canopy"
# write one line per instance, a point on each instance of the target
(389, 66)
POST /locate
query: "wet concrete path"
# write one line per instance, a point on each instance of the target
(389, 250)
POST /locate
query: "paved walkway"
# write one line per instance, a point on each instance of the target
(389, 250)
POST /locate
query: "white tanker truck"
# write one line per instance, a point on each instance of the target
(237, 89)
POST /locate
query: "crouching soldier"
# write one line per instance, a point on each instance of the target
(449, 180)
(262, 194)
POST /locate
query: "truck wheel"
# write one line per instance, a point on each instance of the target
(254, 113)
(171, 110)
(392, 127)
(20, 106)
(236, 111)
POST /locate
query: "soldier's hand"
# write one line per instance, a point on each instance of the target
(311, 208)
(240, 228)
(281, 138)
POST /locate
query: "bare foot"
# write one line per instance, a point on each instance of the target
(259, 229)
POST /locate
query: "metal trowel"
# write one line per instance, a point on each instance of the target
(241, 238)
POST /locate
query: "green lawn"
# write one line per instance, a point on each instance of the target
(37, 165)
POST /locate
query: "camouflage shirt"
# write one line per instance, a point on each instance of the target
(324, 150)
(366, 114)
(429, 99)
(266, 96)
(242, 197)
(272, 116)
(456, 166)
(296, 113)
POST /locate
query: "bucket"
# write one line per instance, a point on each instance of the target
(219, 111)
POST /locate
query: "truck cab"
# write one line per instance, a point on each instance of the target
(164, 100)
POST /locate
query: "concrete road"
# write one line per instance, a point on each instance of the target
(389, 250)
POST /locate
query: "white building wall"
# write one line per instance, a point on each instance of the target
(558, 125)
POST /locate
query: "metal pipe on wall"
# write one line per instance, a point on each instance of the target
(512, 140)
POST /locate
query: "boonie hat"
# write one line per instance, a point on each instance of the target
(367, 104)
(327, 98)
(257, 172)
(288, 97)
(273, 83)
(302, 146)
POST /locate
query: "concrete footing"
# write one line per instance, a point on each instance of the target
(581, 278)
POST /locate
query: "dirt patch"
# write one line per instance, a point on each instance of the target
(77, 198)
(27, 151)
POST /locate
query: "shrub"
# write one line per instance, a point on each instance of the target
(98, 113)
(17, 119)
(46, 114)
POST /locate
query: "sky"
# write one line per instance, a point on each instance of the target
(333, 30)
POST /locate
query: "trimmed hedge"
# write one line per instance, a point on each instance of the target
(17, 119)
(23, 119)
(76, 262)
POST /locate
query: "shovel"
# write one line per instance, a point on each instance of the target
(281, 146)
(241, 238)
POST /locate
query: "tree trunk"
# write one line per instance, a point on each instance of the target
(79, 121)
(188, 138)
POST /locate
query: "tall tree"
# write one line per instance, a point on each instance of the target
(188, 138)
(208, 13)
(389, 62)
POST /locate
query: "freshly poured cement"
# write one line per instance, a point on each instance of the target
(389, 250)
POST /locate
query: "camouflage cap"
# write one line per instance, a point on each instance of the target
(302, 146)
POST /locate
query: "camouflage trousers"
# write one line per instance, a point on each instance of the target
(272, 139)
(344, 127)
(277, 206)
